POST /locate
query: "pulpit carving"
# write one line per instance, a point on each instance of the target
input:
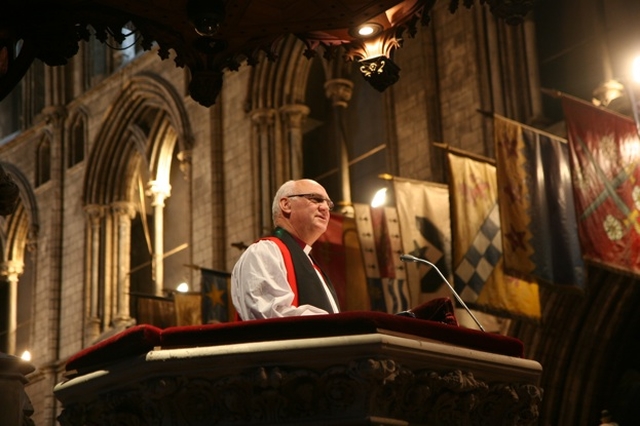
(379, 387)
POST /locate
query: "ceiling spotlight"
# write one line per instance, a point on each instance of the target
(366, 30)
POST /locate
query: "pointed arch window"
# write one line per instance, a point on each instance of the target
(43, 161)
(76, 142)
(133, 226)
(159, 256)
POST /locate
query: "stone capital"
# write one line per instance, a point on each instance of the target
(123, 208)
(294, 114)
(11, 269)
(94, 212)
(339, 90)
(263, 116)
(158, 191)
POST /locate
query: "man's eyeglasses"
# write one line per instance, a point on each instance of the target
(315, 198)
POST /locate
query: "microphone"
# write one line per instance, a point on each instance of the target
(410, 258)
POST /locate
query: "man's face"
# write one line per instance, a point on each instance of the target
(309, 209)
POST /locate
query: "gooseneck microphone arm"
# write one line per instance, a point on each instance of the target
(410, 258)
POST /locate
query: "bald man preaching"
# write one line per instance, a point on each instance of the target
(276, 276)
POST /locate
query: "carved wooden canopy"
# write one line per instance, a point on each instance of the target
(229, 31)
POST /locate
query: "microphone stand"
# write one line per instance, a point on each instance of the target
(410, 258)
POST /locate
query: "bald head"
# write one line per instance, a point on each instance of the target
(302, 207)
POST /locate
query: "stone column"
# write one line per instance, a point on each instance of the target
(293, 117)
(123, 212)
(158, 191)
(339, 90)
(94, 214)
(15, 405)
(264, 120)
(11, 271)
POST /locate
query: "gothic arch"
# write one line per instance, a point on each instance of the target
(18, 232)
(77, 122)
(131, 159)
(146, 100)
(276, 97)
(279, 108)
(283, 82)
(21, 227)
(43, 159)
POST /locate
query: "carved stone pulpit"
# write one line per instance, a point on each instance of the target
(353, 368)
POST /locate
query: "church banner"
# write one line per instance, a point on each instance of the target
(388, 249)
(425, 228)
(479, 277)
(537, 211)
(188, 308)
(155, 310)
(214, 287)
(605, 157)
(380, 243)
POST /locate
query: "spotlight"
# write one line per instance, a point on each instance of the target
(366, 30)
(380, 198)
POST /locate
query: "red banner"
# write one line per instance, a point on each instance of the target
(605, 154)
(337, 252)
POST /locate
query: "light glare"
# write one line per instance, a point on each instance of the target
(182, 288)
(635, 70)
(26, 356)
(380, 198)
(365, 30)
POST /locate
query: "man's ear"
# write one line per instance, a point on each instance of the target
(285, 206)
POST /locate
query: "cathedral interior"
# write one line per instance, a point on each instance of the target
(147, 138)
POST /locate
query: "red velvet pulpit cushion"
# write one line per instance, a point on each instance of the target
(135, 340)
(342, 324)
(141, 339)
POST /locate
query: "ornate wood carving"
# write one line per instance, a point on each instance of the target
(362, 388)
(243, 30)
